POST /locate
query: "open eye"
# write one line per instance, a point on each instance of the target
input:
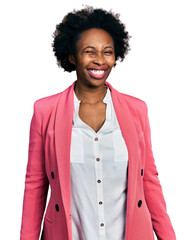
(108, 52)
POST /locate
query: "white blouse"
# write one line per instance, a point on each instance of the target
(99, 164)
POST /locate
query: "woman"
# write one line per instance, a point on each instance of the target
(92, 145)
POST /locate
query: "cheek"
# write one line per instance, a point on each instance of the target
(84, 62)
(112, 62)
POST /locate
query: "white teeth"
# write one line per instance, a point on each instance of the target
(97, 72)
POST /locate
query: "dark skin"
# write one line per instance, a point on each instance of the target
(94, 60)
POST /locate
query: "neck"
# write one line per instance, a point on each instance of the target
(91, 96)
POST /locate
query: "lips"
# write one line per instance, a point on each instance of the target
(97, 73)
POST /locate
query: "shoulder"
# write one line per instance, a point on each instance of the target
(45, 105)
(137, 107)
(132, 101)
(139, 104)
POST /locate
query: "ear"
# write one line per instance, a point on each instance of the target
(71, 59)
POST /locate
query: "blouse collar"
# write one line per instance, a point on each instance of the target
(105, 100)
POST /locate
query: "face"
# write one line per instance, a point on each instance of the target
(95, 57)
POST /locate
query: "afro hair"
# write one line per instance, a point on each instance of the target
(74, 23)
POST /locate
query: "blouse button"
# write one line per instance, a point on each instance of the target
(102, 224)
(97, 159)
(96, 139)
(100, 203)
(98, 181)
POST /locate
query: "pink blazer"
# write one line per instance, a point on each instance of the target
(49, 164)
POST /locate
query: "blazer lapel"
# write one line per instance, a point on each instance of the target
(125, 114)
(63, 129)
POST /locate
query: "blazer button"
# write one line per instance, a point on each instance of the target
(139, 203)
(57, 207)
(52, 175)
(142, 172)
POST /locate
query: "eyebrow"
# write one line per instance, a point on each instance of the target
(95, 48)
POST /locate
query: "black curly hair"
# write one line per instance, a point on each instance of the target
(74, 23)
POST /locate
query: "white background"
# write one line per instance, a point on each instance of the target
(160, 69)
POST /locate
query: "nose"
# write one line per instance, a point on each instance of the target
(99, 59)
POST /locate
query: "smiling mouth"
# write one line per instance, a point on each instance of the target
(98, 74)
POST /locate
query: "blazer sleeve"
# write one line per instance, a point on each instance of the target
(153, 191)
(36, 183)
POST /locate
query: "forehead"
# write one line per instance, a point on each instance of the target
(95, 37)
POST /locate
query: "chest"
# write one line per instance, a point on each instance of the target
(94, 115)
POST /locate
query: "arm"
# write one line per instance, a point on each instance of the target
(36, 184)
(153, 192)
